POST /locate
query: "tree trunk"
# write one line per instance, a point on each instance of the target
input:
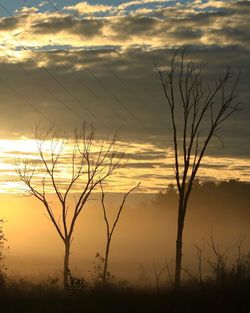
(178, 256)
(66, 264)
(105, 266)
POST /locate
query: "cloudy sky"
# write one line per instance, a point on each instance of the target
(69, 61)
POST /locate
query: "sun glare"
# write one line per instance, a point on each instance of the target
(154, 173)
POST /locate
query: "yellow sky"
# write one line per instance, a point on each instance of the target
(146, 163)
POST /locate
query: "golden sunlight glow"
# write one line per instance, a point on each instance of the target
(154, 173)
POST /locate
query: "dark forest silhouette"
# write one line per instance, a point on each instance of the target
(209, 195)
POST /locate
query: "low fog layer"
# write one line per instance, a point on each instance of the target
(145, 234)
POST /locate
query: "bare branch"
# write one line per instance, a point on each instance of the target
(89, 164)
(203, 109)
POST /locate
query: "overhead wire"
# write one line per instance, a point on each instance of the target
(116, 76)
(34, 79)
(12, 89)
(163, 122)
(98, 81)
(53, 76)
(96, 78)
(70, 93)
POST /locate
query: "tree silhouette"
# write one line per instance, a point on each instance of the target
(197, 110)
(90, 164)
(2, 253)
(110, 227)
(230, 196)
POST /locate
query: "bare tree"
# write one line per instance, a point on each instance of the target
(70, 169)
(158, 273)
(197, 110)
(110, 227)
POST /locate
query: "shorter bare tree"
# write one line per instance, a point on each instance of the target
(158, 274)
(69, 169)
(110, 227)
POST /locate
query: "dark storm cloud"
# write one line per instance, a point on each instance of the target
(241, 6)
(8, 23)
(135, 26)
(182, 33)
(232, 35)
(56, 23)
(68, 24)
(204, 18)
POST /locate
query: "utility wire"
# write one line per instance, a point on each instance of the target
(122, 82)
(34, 79)
(11, 88)
(112, 72)
(96, 79)
(52, 76)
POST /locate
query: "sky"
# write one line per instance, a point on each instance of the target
(69, 61)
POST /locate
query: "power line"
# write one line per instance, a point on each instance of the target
(116, 76)
(98, 80)
(24, 99)
(53, 76)
(34, 79)
(118, 100)
(72, 95)
(144, 103)
(122, 82)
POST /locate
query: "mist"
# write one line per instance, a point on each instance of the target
(145, 233)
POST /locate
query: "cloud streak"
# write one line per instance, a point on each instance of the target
(146, 162)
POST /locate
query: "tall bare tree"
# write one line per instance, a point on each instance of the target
(110, 227)
(197, 111)
(70, 169)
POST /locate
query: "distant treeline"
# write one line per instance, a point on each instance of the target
(230, 195)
